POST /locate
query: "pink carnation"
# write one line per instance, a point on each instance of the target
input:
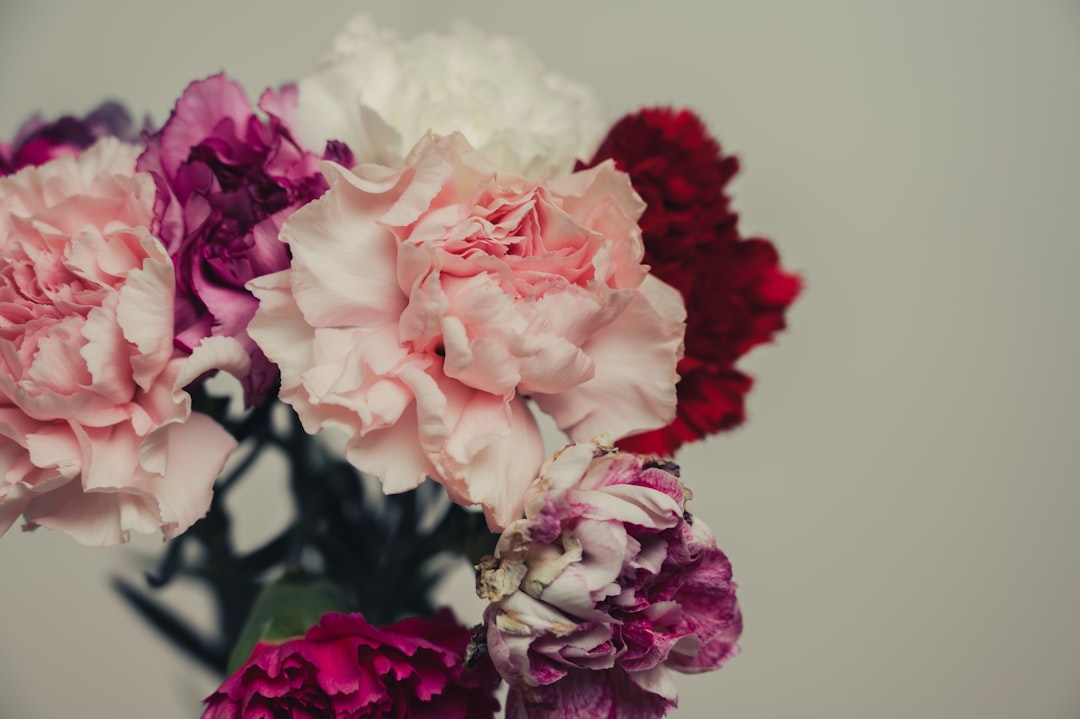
(605, 585)
(344, 667)
(426, 303)
(97, 436)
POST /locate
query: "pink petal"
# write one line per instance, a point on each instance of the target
(498, 474)
(392, 454)
(195, 452)
(344, 263)
(147, 297)
(92, 519)
(199, 109)
(281, 332)
(105, 353)
(635, 356)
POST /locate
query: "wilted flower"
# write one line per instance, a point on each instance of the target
(227, 180)
(380, 94)
(344, 668)
(604, 585)
(735, 290)
(425, 303)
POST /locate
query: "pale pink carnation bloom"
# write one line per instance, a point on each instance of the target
(97, 436)
(426, 302)
(605, 585)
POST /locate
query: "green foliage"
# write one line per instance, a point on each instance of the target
(284, 609)
(348, 548)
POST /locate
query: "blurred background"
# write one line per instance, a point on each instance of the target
(901, 507)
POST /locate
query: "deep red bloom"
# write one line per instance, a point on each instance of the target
(735, 290)
(345, 667)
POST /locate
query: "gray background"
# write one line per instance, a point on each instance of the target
(901, 507)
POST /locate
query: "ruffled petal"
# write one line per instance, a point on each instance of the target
(635, 357)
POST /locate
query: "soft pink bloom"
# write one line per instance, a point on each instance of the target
(427, 302)
(97, 436)
(605, 585)
(344, 667)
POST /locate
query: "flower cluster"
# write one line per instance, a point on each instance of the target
(421, 245)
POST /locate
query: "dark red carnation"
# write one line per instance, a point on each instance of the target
(345, 667)
(735, 290)
(40, 140)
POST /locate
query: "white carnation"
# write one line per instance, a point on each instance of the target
(380, 94)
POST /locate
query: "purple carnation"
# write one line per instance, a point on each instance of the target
(227, 179)
(40, 140)
(605, 585)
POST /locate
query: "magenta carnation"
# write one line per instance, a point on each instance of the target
(39, 140)
(605, 585)
(345, 667)
(227, 179)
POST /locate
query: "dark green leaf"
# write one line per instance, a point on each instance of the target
(286, 608)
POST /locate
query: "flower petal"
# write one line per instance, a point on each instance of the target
(634, 386)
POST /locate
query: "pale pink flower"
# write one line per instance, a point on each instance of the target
(605, 585)
(97, 436)
(426, 302)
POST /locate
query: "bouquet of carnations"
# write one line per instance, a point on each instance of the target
(403, 259)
